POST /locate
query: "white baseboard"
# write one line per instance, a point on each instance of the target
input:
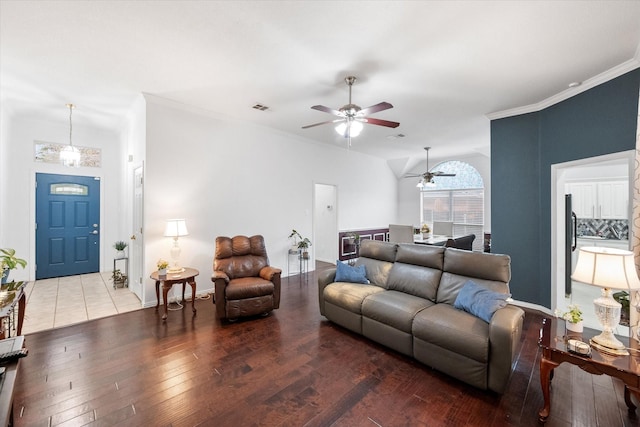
(178, 298)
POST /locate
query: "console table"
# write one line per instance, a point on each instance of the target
(8, 313)
(553, 342)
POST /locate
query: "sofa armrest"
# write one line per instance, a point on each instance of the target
(220, 281)
(505, 331)
(219, 275)
(273, 275)
(325, 277)
(268, 272)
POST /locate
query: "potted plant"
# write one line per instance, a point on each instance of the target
(9, 261)
(294, 236)
(162, 267)
(573, 318)
(623, 298)
(119, 279)
(425, 230)
(120, 246)
(303, 245)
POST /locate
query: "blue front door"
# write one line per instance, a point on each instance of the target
(67, 225)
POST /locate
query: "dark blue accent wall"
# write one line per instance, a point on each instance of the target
(599, 121)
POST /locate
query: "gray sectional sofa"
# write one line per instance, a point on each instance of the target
(409, 306)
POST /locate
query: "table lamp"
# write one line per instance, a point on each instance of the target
(609, 269)
(175, 228)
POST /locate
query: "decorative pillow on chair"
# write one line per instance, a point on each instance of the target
(347, 273)
(480, 301)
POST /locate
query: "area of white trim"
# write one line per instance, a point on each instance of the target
(610, 74)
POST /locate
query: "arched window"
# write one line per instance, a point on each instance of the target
(459, 199)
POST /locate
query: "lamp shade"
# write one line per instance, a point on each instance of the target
(176, 228)
(606, 268)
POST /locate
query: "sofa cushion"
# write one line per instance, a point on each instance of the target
(422, 255)
(377, 270)
(378, 258)
(492, 271)
(458, 331)
(351, 274)
(396, 309)
(376, 249)
(480, 301)
(248, 287)
(414, 280)
(349, 295)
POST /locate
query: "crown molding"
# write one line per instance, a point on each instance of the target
(610, 74)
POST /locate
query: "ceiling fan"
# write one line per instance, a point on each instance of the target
(427, 177)
(352, 117)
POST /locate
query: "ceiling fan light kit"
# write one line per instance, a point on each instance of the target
(352, 117)
(351, 128)
(426, 178)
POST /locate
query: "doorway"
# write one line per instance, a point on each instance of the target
(67, 225)
(137, 238)
(612, 166)
(325, 222)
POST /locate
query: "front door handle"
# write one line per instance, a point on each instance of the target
(94, 232)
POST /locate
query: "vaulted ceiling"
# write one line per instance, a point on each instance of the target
(445, 66)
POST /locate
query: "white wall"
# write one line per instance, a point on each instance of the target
(228, 177)
(409, 196)
(17, 184)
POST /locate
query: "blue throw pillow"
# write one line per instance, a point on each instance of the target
(480, 301)
(347, 273)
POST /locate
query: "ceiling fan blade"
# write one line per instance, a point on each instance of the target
(381, 122)
(327, 110)
(375, 108)
(413, 175)
(322, 123)
(442, 174)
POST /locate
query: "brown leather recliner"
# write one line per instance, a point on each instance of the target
(245, 284)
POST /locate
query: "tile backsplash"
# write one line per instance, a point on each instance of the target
(604, 227)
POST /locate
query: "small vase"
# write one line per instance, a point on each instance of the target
(575, 327)
(120, 254)
(162, 272)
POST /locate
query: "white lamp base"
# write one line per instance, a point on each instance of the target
(608, 343)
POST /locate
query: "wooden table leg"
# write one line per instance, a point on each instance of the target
(21, 308)
(157, 294)
(193, 296)
(546, 370)
(627, 397)
(165, 291)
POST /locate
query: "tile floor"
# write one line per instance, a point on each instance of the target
(53, 303)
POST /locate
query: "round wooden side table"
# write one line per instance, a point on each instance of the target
(170, 279)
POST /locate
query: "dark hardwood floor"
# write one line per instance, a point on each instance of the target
(292, 368)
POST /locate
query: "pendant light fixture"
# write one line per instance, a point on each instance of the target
(70, 155)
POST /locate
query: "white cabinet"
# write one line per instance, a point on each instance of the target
(601, 200)
(583, 199)
(613, 200)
